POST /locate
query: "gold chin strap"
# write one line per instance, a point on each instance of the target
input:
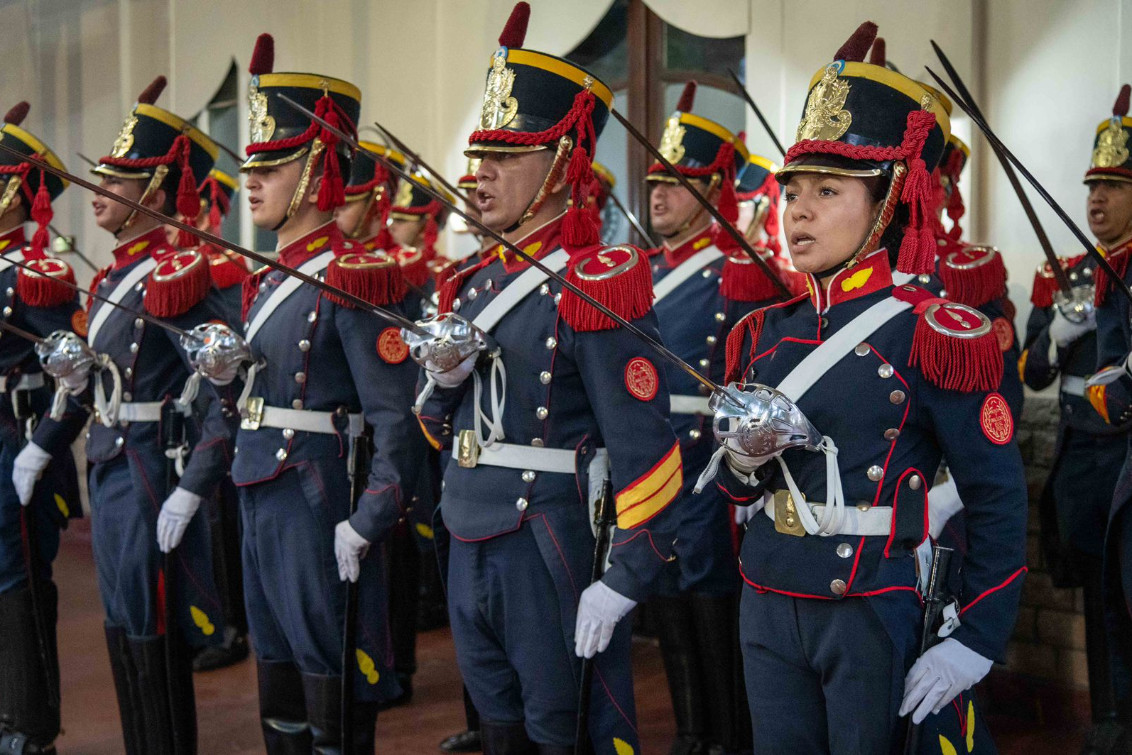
(565, 144)
(714, 182)
(9, 194)
(884, 217)
(317, 147)
(155, 181)
(370, 199)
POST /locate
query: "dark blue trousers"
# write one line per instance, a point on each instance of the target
(295, 600)
(49, 518)
(513, 601)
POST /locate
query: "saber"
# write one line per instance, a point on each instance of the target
(553, 274)
(758, 113)
(632, 219)
(416, 158)
(76, 287)
(1091, 250)
(15, 330)
(391, 317)
(1059, 273)
(72, 248)
(731, 230)
(87, 160)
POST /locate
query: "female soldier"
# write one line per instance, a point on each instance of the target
(830, 615)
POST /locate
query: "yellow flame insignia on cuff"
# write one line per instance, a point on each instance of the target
(200, 618)
(366, 666)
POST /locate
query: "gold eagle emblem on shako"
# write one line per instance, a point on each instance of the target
(499, 107)
(1111, 150)
(125, 138)
(672, 141)
(263, 125)
(825, 117)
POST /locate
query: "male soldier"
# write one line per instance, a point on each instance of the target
(416, 220)
(322, 370)
(29, 672)
(154, 608)
(565, 392)
(1109, 206)
(227, 268)
(701, 292)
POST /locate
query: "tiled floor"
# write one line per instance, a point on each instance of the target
(226, 700)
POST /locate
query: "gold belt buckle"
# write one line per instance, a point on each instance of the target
(252, 414)
(786, 519)
(467, 449)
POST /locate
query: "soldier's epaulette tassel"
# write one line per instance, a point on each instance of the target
(178, 283)
(956, 363)
(751, 325)
(227, 272)
(1045, 285)
(743, 280)
(375, 278)
(975, 286)
(48, 288)
(617, 277)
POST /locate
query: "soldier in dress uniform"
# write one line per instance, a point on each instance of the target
(1087, 459)
(563, 394)
(141, 506)
(704, 284)
(229, 270)
(29, 672)
(1109, 208)
(365, 215)
(416, 220)
(322, 372)
(894, 377)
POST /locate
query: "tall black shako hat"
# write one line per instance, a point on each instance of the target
(280, 133)
(413, 202)
(701, 148)
(371, 182)
(757, 184)
(1111, 158)
(157, 145)
(216, 191)
(536, 101)
(39, 187)
(865, 120)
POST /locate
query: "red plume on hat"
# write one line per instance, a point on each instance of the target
(1120, 107)
(687, 97)
(857, 45)
(150, 94)
(515, 31)
(877, 56)
(16, 115)
(263, 57)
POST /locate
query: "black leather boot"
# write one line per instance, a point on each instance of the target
(468, 740)
(717, 651)
(125, 686)
(283, 709)
(1109, 734)
(166, 695)
(404, 559)
(323, 695)
(506, 739)
(28, 711)
(675, 628)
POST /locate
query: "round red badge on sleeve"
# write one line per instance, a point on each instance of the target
(641, 379)
(1004, 332)
(996, 421)
(79, 323)
(390, 347)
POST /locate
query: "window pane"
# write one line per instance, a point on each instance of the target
(684, 51)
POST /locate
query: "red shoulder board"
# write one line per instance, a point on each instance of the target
(414, 266)
(954, 345)
(618, 277)
(372, 277)
(1045, 285)
(47, 287)
(973, 275)
(227, 271)
(178, 283)
(744, 280)
(249, 290)
(1118, 259)
(450, 288)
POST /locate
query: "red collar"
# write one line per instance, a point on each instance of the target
(867, 276)
(538, 243)
(321, 239)
(140, 247)
(13, 239)
(1117, 251)
(697, 243)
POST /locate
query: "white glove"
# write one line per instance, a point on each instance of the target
(744, 514)
(176, 513)
(76, 381)
(599, 610)
(27, 469)
(457, 374)
(1063, 332)
(349, 550)
(741, 464)
(939, 675)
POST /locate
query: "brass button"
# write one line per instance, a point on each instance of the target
(288, 433)
(542, 412)
(473, 294)
(129, 372)
(863, 507)
(297, 404)
(134, 348)
(875, 473)
(897, 397)
(521, 504)
(300, 377)
(127, 396)
(138, 322)
(891, 434)
(544, 289)
(711, 340)
(704, 363)
(551, 342)
(914, 482)
(845, 550)
(544, 378)
(312, 316)
(862, 349)
(720, 317)
(885, 370)
(528, 476)
(694, 434)
(304, 345)
(924, 278)
(537, 442)
(838, 587)
(281, 454)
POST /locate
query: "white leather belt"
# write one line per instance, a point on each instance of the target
(307, 421)
(859, 520)
(690, 405)
(27, 382)
(1073, 385)
(142, 411)
(533, 458)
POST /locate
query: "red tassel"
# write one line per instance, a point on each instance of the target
(414, 270)
(578, 227)
(41, 215)
(956, 364)
(188, 198)
(1045, 286)
(752, 326)
(332, 192)
(17, 114)
(515, 31)
(430, 234)
(249, 291)
(215, 212)
(372, 278)
(150, 94)
(628, 294)
(743, 280)
(184, 288)
(263, 57)
(918, 249)
(47, 288)
(226, 272)
(857, 45)
(977, 285)
(1104, 283)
